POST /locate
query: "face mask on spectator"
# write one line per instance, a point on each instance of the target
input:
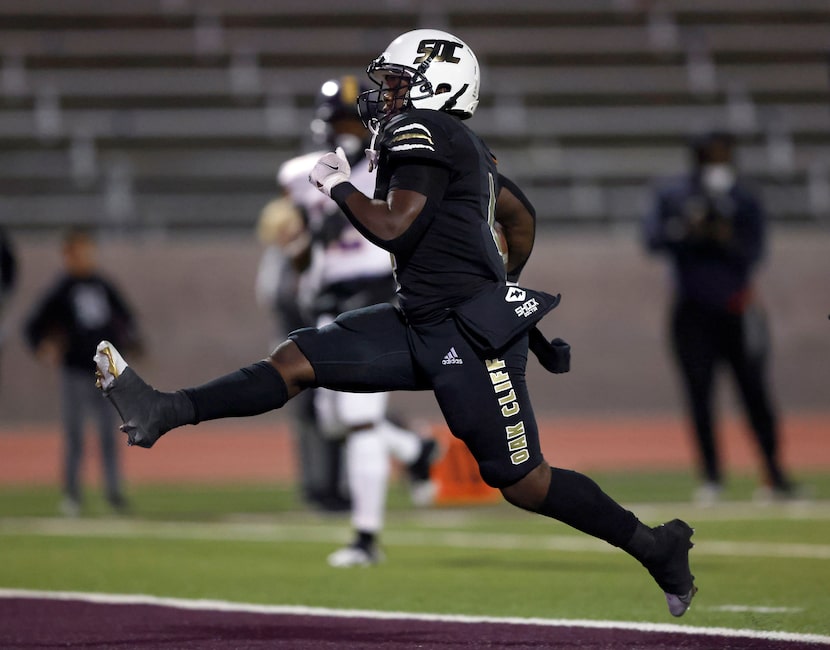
(717, 178)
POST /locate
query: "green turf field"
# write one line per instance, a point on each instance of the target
(762, 567)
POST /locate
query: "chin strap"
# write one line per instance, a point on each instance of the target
(371, 152)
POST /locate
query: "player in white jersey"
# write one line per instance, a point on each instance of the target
(282, 229)
(344, 271)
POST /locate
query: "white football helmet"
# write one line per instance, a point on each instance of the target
(427, 68)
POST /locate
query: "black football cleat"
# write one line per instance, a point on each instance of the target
(670, 566)
(147, 414)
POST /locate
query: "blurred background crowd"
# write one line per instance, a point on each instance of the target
(171, 114)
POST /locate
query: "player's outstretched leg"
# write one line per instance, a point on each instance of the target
(578, 501)
(147, 413)
(669, 565)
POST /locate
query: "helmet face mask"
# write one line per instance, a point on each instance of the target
(425, 68)
(392, 95)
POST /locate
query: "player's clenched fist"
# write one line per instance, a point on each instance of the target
(332, 169)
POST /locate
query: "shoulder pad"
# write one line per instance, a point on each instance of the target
(417, 134)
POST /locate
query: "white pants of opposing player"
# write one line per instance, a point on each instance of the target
(371, 444)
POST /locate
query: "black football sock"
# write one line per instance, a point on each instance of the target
(365, 540)
(576, 500)
(643, 544)
(248, 391)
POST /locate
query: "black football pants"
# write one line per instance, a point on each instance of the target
(485, 401)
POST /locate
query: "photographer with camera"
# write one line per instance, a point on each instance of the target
(712, 228)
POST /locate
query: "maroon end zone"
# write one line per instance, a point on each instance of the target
(28, 623)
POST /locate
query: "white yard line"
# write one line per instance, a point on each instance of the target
(798, 510)
(225, 606)
(754, 609)
(339, 533)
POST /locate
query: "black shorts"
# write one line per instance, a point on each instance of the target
(485, 402)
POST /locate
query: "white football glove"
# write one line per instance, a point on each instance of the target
(330, 170)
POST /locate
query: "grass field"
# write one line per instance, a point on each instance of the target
(759, 567)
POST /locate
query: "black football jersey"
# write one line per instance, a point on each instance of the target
(456, 257)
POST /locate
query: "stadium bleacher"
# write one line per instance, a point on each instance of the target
(174, 114)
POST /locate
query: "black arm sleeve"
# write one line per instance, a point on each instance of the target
(340, 193)
(427, 179)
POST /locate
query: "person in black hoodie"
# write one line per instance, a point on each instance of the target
(62, 330)
(712, 228)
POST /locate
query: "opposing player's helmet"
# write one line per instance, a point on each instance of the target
(337, 98)
(336, 119)
(439, 70)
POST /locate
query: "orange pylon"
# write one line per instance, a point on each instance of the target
(456, 475)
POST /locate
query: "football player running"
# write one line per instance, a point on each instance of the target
(463, 326)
